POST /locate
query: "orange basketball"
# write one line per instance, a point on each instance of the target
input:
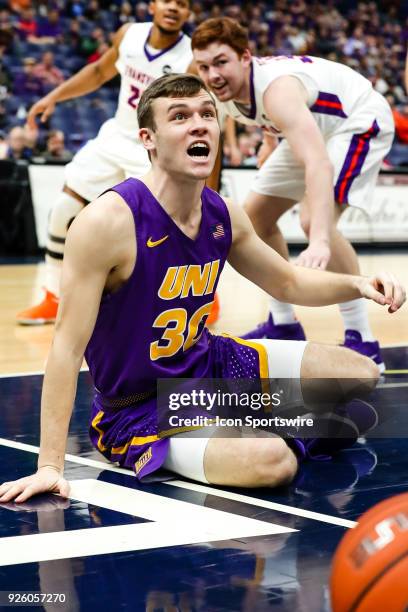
(370, 567)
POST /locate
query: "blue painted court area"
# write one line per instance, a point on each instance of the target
(180, 546)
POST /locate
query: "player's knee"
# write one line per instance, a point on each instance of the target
(368, 370)
(265, 228)
(63, 212)
(274, 463)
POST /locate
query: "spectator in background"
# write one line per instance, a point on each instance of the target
(73, 37)
(49, 29)
(56, 150)
(26, 83)
(142, 12)
(17, 148)
(47, 72)
(125, 14)
(18, 6)
(5, 78)
(400, 115)
(91, 10)
(31, 139)
(7, 31)
(26, 25)
(247, 150)
(3, 145)
(90, 43)
(97, 54)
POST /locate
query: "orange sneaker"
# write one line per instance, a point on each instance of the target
(44, 312)
(214, 312)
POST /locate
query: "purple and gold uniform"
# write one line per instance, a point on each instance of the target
(154, 327)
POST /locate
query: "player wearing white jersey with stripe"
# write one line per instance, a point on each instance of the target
(141, 53)
(335, 129)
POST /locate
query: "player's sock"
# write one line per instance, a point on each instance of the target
(53, 275)
(355, 317)
(282, 313)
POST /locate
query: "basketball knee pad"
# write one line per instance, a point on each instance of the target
(61, 216)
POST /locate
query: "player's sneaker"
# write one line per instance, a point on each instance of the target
(214, 312)
(335, 431)
(354, 341)
(42, 313)
(329, 434)
(363, 415)
(268, 329)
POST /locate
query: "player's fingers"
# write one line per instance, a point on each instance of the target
(12, 492)
(398, 297)
(28, 492)
(4, 488)
(63, 487)
(45, 114)
(31, 119)
(386, 283)
(376, 296)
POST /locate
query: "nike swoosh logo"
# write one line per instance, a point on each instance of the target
(153, 243)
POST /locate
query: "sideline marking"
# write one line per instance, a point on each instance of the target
(253, 501)
(395, 372)
(176, 523)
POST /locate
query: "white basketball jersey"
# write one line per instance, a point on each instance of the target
(335, 91)
(139, 67)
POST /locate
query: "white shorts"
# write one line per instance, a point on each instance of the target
(187, 450)
(104, 161)
(356, 151)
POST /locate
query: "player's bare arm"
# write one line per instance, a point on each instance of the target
(89, 268)
(255, 260)
(285, 104)
(88, 79)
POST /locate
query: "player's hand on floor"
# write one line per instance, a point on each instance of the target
(46, 479)
(384, 289)
(44, 107)
(316, 255)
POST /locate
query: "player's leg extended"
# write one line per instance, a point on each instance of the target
(66, 208)
(263, 459)
(357, 156)
(278, 185)
(266, 460)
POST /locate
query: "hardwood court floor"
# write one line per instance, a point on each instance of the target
(243, 305)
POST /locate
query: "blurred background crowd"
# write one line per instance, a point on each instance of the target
(43, 42)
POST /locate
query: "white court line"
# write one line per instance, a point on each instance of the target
(391, 385)
(17, 374)
(253, 501)
(176, 523)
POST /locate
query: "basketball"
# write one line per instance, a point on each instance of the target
(370, 567)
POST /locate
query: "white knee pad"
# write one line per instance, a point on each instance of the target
(61, 216)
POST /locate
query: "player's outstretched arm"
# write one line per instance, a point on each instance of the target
(255, 260)
(86, 267)
(88, 79)
(285, 104)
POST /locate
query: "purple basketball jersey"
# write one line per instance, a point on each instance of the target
(153, 326)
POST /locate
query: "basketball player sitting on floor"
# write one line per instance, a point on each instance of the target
(137, 257)
(336, 130)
